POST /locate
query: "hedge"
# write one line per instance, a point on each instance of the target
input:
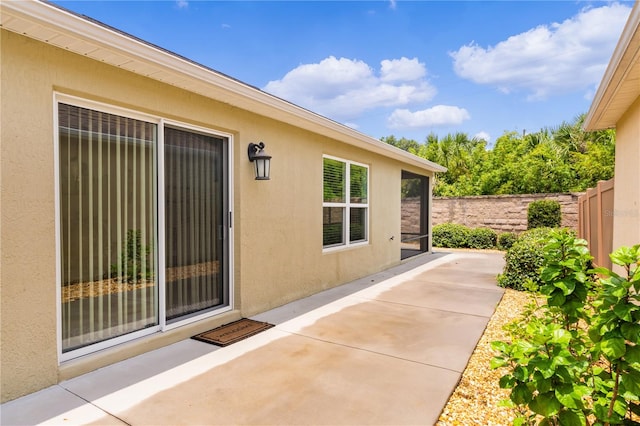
(482, 238)
(544, 214)
(450, 235)
(524, 260)
(506, 240)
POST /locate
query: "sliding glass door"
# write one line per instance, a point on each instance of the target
(195, 213)
(108, 225)
(132, 204)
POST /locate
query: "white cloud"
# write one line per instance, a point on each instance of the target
(402, 69)
(590, 93)
(439, 115)
(344, 88)
(393, 4)
(182, 4)
(560, 57)
(483, 135)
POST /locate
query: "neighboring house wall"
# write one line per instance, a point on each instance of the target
(277, 231)
(502, 213)
(626, 212)
(616, 104)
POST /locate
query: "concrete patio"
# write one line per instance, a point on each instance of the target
(385, 349)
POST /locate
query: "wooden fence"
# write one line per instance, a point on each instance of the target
(595, 221)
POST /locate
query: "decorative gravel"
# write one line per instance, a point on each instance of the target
(76, 291)
(476, 399)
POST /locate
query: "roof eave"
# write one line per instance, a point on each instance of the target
(624, 64)
(59, 27)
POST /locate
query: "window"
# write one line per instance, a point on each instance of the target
(142, 224)
(345, 207)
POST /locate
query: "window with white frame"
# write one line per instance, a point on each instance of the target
(345, 206)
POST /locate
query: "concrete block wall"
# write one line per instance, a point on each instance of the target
(502, 213)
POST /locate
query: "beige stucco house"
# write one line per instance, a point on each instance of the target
(617, 105)
(131, 214)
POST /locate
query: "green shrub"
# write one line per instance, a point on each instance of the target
(135, 263)
(506, 240)
(482, 238)
(544, 214)
(451, 235)
(575, 360)
(524, 260)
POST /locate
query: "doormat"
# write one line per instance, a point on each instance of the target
(232, 332)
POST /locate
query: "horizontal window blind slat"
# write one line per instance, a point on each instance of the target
(333, 226)
(334, 174)
(358, 184)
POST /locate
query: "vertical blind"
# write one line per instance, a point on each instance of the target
(194, 212)
(108, 223)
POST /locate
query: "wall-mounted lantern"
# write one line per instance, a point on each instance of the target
(260, 159)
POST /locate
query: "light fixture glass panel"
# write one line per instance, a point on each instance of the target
(267, 168)
(260, 169)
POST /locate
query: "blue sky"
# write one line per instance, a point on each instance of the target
(402, 68)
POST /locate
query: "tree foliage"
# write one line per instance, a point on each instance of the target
(544, 214)
(560, 159)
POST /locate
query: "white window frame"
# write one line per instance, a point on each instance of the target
(160, 122)
(348, 205)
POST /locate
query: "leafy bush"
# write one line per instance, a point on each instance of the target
(135, 263)
(506, 240)
(450, 235)
(576, 359)
(544, 214)
(524, 260)
(482, 238)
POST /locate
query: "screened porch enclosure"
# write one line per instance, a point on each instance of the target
(415, 215)
(109, 208)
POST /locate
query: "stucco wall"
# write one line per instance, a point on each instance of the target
(27, 239)
(626, 213)
(502, 213)
(277, 223)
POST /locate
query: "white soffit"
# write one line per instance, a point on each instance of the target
(81, 35)
(620, 85)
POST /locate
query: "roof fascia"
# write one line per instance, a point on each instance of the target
(606, 92)
(240, 94)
